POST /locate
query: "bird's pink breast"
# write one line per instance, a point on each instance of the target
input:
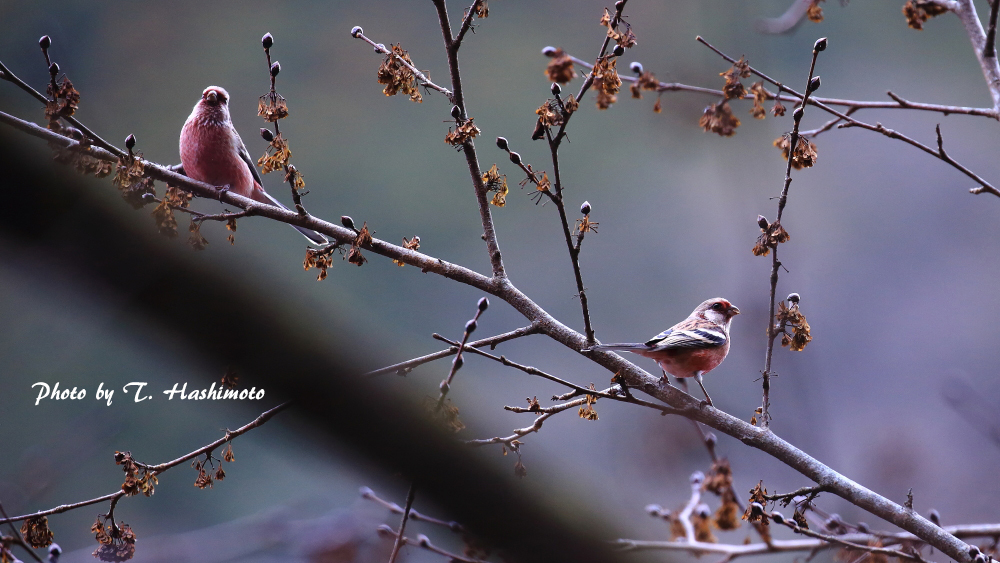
(208, 154)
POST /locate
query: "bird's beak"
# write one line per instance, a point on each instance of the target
(212, 97)
(733, 310)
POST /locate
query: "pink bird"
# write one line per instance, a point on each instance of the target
(212, 152)
(692, 347)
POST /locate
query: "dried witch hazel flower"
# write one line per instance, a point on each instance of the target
(805, 154)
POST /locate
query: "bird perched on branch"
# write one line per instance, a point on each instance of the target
(212, 152)
(692, 347)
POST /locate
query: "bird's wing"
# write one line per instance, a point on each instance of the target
(245, 156)
(696, 337)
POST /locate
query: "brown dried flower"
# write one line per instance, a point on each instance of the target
(129, 171)
(702, 521)
(727, 516)
(230, 379)
(533, 405)
(917, 12)
(771, 236)
(195, 238)
(718, 118)
(483, 9)
(117, 541)
(624, 38)
(805, 154)
(496, 182)
(570, 104)
(758, 495)
(397, 77)
(294, 177)
(231, 227)
(63, 101)
(646, 81)
(462, 133)
(815, 12)
(319, 259)
(606, 81)
(720, 477)
(560, 68)
(446, 415)
(36, 532)
(759, 96)
(734, 88)
(587, 412)
(276, 156)
(409, 244)
(549, 114)
(778, 110)
(164, 217)
(800, 519)
(791, 316)
(585, 225)
(272, 107)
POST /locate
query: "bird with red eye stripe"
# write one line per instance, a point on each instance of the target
(690, 348)
(212, 152)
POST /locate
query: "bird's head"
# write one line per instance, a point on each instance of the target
(718, 310)
(214, 104)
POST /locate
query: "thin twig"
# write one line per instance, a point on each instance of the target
(424, 80)
(403, 368)
(878, 127)
(367, 493)
(466, 24)
(898, 102)
(685, 515)
(425, 543)
(157, 469)
(578, 389)
(402, 525)
(469, 147)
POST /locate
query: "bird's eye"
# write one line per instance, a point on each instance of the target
(717, 306)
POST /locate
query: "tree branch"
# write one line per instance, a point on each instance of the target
(157, 469)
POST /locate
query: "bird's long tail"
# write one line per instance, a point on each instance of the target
(625, 347)
(310, 234)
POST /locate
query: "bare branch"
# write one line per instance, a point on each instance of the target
(157, 469)
(402, 525)
(367, 493)
(878, 127)
(403, 368)
(425, 543)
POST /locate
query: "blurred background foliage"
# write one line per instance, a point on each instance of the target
(894, 259)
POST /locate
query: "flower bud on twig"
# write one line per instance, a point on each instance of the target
(470, 327)
(502, 143)
(762, 222)
(267, 40)
(585, 208)
(793, 297)
(619, 50)
(356, 31)
(820, 44)
(556, 89)
(549, 51)
(45, 42)
(348, 222)
(515, 158)
(636, 67)
(275, 68)
(456, 112)
(814, 84)
(266, 134)
(483, 304)
(130, 142)
(54, 69)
